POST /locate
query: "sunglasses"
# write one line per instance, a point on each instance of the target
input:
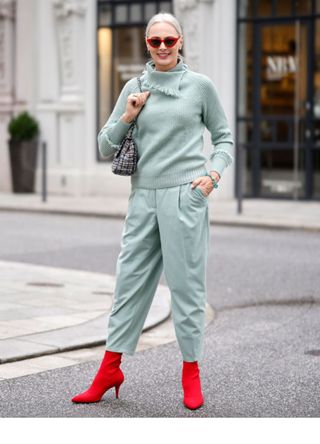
(169, 42)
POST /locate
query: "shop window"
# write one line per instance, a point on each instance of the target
(275, 8)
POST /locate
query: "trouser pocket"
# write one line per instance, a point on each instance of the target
(197, 194)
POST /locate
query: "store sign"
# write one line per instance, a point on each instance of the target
(280, 66)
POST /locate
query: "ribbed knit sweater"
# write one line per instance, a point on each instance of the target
(169, 128)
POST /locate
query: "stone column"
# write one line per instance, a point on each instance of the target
(63, 116)
(70, 33)
(7, 49)
(187, 12)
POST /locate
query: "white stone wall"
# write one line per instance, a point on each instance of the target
(48, 66)
(66, 92)
(7, 82)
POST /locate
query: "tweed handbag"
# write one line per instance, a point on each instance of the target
(126, 158)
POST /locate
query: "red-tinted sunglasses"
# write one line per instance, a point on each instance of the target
(169, 42)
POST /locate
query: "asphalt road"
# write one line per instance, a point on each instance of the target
(262, 351)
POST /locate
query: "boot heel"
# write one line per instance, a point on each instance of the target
(117, 388)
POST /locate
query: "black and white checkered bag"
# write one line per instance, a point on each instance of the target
(126, 158)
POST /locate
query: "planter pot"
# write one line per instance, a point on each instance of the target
(23, 158)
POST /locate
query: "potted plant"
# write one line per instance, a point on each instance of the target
(23, 144)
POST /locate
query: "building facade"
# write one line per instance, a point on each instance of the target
(65, 61)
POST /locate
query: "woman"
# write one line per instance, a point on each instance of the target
(167, 225)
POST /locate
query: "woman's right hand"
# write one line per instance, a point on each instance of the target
(135, 102)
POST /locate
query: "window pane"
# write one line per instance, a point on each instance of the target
(130, 54)
(316, 110)
(135, 13)
(121, 14)
(283, 69)
(104, 16)
(150, 10)
(316, 140)
(264, 8)
(246, 172)
(303, 7)
(316, 75)
(245, 8)
(284, 7)
(165, 6)
(277, 173)
(104, 74)
(245, 132)
(316, 175)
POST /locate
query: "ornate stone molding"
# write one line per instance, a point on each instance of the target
(65, 8)
(7, 9)
(70, 16)
(7, 23)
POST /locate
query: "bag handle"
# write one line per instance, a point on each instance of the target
(134, 120)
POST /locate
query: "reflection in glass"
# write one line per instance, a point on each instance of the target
(316, 175)
(316, 108)
(279, 69)
(150, 10)
(121, 14)
(104, 16)
(165, 6)
(135, 13)
(303, 7)
(104, 73)
(276, 173)
(316, 111)
(246, 172)
(269, 8)
(245, 8)
(115, 69)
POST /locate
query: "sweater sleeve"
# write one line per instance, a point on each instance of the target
(215, 120)
(114, 130)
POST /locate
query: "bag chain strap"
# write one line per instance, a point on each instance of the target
(133, 123)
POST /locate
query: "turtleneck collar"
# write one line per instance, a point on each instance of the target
(167, 82)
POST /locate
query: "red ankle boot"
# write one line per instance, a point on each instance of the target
(193, 397)
(109, 375)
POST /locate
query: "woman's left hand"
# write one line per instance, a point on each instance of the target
(205, 183)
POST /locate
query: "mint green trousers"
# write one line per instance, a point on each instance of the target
(166, 229)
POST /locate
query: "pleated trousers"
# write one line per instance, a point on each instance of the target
(166, 229)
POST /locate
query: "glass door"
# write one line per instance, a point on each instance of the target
(315, 161)
(282, 119)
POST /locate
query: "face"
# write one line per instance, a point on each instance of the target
(163, 57)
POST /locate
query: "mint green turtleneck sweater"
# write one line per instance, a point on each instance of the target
(169, 128)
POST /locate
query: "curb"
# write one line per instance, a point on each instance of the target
(218, 222)
(63, 324)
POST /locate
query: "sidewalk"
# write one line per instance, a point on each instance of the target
(49, 315)
(262, 213)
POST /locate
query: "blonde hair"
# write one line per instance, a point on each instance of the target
(166, 17)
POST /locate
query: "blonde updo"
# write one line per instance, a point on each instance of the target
(166, 17)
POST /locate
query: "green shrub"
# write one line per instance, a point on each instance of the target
(23, 127)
